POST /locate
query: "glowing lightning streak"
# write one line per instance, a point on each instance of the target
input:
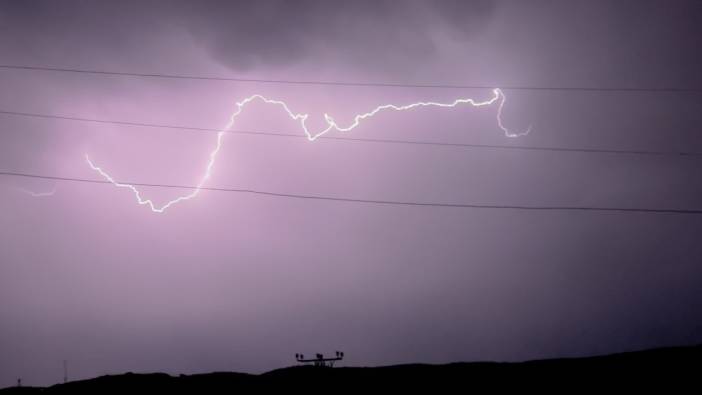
(498, 95)
(37, 194)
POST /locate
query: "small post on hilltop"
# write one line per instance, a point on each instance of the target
(19, 382)
(65, 371)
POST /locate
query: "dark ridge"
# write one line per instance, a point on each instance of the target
(663, 369)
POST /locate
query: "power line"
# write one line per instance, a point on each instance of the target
(355, 139)
(369, 201)
(351, 83)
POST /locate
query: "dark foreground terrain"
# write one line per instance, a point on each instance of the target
(667, 369)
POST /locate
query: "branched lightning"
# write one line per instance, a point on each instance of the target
(36, 194)
(498, 96)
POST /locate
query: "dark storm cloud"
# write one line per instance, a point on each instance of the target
(368, 31)
(246, 34)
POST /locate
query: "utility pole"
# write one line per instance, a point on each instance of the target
(65, 371)
(319, 360)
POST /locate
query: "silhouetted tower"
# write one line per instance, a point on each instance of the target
(319, 360)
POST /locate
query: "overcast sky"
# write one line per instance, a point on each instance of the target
(230, 281)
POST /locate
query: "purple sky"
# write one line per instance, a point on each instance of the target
(239, 282)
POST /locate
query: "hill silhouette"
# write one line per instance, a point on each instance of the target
(659, 369)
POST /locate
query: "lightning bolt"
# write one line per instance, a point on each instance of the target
(37, 194)
(498, 97)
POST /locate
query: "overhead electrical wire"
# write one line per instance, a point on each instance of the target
(370, 201)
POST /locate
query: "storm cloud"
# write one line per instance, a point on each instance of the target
(243, 35)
